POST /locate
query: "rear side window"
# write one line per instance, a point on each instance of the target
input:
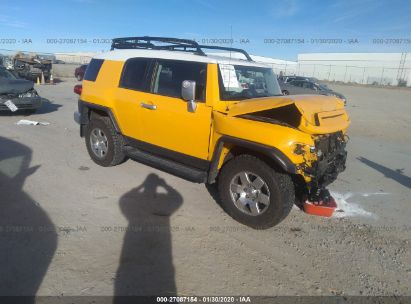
(134, 74)
(307, 85)
(92, 69)
(296, 83)
(171, 74)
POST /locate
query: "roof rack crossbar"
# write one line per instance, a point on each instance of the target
(215, 47)
(173, 44)
(145, 42)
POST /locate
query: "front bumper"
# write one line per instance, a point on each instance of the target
(24, 103)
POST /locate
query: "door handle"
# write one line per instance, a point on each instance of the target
(148, 106)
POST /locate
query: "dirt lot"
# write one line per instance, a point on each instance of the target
(71, 227)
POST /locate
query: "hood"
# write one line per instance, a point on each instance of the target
(15, 86)
(320, 114)
(341, 96)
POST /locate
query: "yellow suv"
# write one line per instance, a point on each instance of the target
(166, 103)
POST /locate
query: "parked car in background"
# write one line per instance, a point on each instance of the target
(79, 72)
(287, 79)
(18, 92)
(31, 67)
(297, 87)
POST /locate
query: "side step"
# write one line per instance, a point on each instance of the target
(169, 166)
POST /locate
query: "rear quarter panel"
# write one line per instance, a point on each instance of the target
(101, 91)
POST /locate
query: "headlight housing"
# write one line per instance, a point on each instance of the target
(31, 93)
(302, 148)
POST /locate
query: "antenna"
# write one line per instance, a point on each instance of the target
(231, 38)
(229, 74)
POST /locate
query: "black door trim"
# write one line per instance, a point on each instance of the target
(181, 158)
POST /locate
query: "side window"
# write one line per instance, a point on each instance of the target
(307, 85)
(170, 75)
(134, 74)
(92, 69)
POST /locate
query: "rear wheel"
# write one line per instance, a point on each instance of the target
(253, 193)
(104, 144)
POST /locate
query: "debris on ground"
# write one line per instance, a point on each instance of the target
(32, 122)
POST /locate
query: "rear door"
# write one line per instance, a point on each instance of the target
(308, 88)
(296, 87)
(301, 87)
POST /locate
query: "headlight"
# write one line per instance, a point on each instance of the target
(301, 148)
(31, 93)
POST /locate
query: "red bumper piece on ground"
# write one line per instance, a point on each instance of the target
(320, 208)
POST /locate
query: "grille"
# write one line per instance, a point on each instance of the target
(330, 144)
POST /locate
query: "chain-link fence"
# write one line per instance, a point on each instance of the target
(391, 76)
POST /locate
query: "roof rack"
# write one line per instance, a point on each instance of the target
(169, 44)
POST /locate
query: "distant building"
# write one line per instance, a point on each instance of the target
(77, 58)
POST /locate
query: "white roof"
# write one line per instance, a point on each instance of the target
(123, 55)
(259, 59)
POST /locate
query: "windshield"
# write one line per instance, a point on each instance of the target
(6, 74)
(244, 82)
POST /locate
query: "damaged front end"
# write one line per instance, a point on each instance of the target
(322, 156)
(20, 92)
(331, 158)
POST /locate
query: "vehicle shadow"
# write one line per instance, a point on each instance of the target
(146, 264)
(28, 239)
(46, 107)
(393, 174)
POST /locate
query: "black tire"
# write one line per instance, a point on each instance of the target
(280, 187)
(115, 142)
(285, 92)
(79, 78)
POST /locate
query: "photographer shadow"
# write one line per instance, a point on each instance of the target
(28, 239)
(146, 264)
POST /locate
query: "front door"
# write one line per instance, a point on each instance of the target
(166, 122)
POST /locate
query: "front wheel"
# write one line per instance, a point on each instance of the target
(253, 193)
(104, 144)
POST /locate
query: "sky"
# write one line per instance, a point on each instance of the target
(278, 29)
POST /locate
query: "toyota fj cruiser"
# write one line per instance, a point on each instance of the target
(166, 103)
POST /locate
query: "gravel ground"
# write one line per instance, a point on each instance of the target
(71, 227)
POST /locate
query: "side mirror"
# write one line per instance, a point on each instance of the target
(188, 92)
